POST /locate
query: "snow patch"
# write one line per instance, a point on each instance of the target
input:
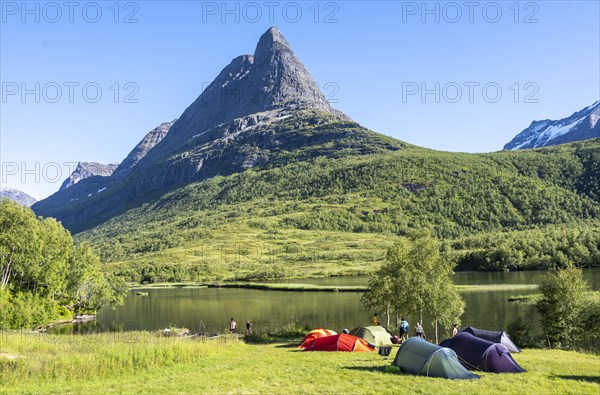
(594, 119)
(555, 131)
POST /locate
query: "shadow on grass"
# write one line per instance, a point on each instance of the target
(268, 340)
(591, 379)
(378, 369)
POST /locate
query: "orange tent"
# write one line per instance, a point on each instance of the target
(315, 334)
(341, 342)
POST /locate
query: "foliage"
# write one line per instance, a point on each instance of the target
(589, 320)
(89, 286)
(42, 270)
(561, 305)
(538, 248)
(415, 279)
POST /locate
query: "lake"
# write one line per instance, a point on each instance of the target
(208, 310)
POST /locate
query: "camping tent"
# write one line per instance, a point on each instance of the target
(418, 356)
(376, 335)
(477, 353)
(493, 336)
(314, 334)
(340, 342)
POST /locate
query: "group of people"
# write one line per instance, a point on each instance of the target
(233, 326)
(404, 328)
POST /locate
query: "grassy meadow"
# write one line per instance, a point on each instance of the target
(141, 362)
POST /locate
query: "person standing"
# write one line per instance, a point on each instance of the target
(232, 325)
(419, 330)
(375, 320)
(248, 328)
(404, 326)
(454, 330)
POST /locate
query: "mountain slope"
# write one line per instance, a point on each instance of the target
(582, 125)
(18, 196)
(263, 110)
(149, 141)
(337, 216)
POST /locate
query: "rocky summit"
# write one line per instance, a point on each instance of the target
(261, 111)
(86, 170)
(582, 125)
(272, 79)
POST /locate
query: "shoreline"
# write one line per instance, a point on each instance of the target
(301, 287)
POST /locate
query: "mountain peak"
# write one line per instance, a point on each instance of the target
(272, 40)
(272, 79)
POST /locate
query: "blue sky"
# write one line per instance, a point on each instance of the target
(373, 58)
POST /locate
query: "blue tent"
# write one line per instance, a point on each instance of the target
(476, 353)
(493, 336)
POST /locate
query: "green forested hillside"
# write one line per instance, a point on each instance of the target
(325, 216)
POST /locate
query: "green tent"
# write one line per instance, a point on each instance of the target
(419, 357)
(375, 335)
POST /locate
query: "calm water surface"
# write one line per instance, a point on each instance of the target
(209, 309)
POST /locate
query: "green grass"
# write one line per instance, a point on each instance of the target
(495, 287)
(295, 287)
(183, 284)
(534, 298)
(144, 363)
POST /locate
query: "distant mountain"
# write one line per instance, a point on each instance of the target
(582, 125)
(86, 170)
(90, 178)
(18, 196)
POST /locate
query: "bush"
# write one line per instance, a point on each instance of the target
(589, 319)
(563, 297)
(26, 310)
(519, 331)
(292, 330)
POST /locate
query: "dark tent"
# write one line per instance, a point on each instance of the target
(476, 353)
(493, 336)
(419, 357)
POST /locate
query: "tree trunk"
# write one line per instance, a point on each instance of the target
(6, 275)
(436, 331)
(387, 316)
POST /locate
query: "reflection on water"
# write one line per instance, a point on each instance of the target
(208, 310)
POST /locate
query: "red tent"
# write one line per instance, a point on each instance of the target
(341, 342)
(315, 334)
